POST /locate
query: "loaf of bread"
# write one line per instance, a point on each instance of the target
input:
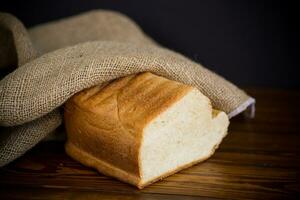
(142, 128)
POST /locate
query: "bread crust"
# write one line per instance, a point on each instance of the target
(101, 166)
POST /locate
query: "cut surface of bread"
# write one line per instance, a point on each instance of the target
(142, 128)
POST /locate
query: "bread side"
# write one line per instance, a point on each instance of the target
(188, 132)
(221, 122)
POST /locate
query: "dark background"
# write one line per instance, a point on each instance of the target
(251, 43)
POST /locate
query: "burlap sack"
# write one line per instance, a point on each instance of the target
(93, 48)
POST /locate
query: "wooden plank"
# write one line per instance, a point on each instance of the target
(259, 159)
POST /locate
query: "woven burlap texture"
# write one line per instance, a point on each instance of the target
(53, 61)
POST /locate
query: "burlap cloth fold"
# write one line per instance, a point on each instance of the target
(51, 62)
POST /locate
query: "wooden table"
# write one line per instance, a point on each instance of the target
(259, 159)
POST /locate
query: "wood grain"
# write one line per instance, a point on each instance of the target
(259, 159)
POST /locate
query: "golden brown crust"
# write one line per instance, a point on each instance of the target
(107, 122)
(103, 167)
